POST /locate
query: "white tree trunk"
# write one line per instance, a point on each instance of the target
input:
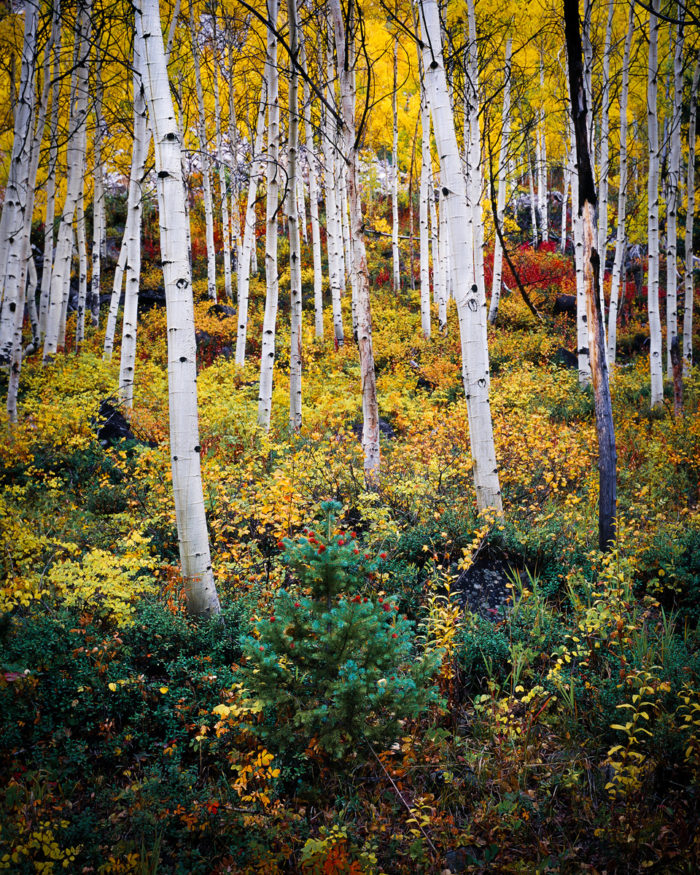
(223, 194)
(202, 599)
(396, 268)
(565, 198)
(60, 276)
(472, 316)
(50, 188)
(117, 284)
(293, 219)
(344, 40)
(127, 362)
(99, 223)
(655, 356)
(16, 207)
(583, 343)
(205, 160)
(312, 163)
(235, 236)
(541, 158)
(690, 212)
(245, 254)
(501, 203)
(81, 239)
(267, 355)
(617, 285)
(445, 287)
(334, 242)
(604, 161)
(673, 193)
(438, 273)
(423, 219)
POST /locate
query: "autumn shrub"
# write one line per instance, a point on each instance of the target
(334, 669)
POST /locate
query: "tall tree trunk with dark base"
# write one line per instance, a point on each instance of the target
(607, 455)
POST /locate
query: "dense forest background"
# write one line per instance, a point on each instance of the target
(351, 444)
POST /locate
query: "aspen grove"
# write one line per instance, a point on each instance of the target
(350, 458)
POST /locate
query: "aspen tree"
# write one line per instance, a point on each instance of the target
(472, 316)
(333, 238)
(604, 160)
(50, 185)
(445, 285)
(689, 214)
(425, 193)
(501, 204)
(565, 196)
(541, 159)
(202, 599)
(99, 215)
(582, 324)
(312, 164)
(17, 193)
(438, 272)
(235, 236)
(117, 285)
(672, 192)
(267, 355)
(655, 357)
(344, 40)
(81, 239)
(127, 362)
(221, 169)
(293, 219)
(607, 455)
(205, 160)
(617, 282)
(60, 276)
(396, 269)
(248, 247)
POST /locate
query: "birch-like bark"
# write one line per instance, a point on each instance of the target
(245, 256)
(501, 204)
(604, 153)
(312, 164)
(689, 215)
(127, 362)
(333, 236)
(533, 201)
(81, 240)
(235, 236)
(438, 273)
(117, 285)
(445, 288)
(205, 160)
(223, 194)
(541, 153)
(50, 185)
(423, 215)
(617, 282)
(565, 197)
(673, 192)
(17, 193)
(60, 276)
(202, 599)
(472, 316)
(655, 356)
(267, 355)
(99, 224)
(293, 220)
(349, 260)
(582, 323)
(396, 268)
(344, 40)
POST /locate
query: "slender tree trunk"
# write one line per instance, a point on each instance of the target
(604, 160)
(81, 239)
(16, 211)
(202, 599)
(689, 215)
(673, 192)
(607, 455)
(472, 316)
(655, 357)
(344, 40)
(333, 238)
(223, 194)
(312, 164)
(565, 198)
(235, 236)
(396, 269)
(293, 219)
(583, 340)
(501, 205)
(127, 363)
(99, 218)
(245, 259)
(50, 185)
(60, 277)
(205, 159)
(617, 285)
(423, 216)
(267, 356)
(117, 285)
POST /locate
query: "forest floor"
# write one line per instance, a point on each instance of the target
(556, 724)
